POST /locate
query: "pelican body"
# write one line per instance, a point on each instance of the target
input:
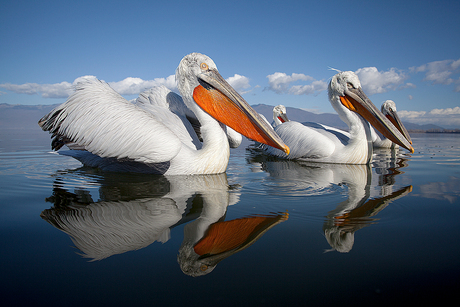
(117, 135)
(320, 143)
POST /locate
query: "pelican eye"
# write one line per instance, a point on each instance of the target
(349, 85)
(204, 267)
(204, 66)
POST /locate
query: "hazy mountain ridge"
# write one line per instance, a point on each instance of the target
(22, 116)
(27, 116)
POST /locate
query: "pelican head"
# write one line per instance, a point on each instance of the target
(345, 90)
(279, 115)
(389, 110)
(197, 76)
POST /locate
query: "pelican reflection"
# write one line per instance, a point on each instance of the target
(366, 196)
(135, 211)
(342, 223)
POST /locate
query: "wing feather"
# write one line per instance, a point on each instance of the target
(161, 101)
(106, 124)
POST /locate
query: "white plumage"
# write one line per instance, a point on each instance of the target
(160, 99)
(279, 115)
(320, 143)
(117, 135)
(389, 110)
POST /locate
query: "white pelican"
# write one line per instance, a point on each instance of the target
(389, 110)
(279, 115)
(120, 136)
(320, 143)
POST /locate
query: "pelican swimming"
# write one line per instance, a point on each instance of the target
(389, 110)
(320, 143)
(117, 135)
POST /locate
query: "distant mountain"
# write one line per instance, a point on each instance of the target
(301, 116)
(20, 117)
(417, 127)
(328, 119)
(6, 106)
(19, 127)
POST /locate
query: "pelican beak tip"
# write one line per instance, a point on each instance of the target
(286, 150)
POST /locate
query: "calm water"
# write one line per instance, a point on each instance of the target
(266, 232)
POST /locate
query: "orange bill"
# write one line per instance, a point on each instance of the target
(238, 117)
(394, 119)
(369, 112)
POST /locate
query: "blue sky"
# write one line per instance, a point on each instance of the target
(273, 52)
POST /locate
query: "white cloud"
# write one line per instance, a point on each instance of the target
(441, 72)
(128, 86)
(408, 85)
(314, 87)
(56, 90)
(409, 115)
(134, 86)
(374, 81)
(448, 111)
(239, 83)
(446, 118)
(280, 83)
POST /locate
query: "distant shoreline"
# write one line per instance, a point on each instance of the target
(19, 115)
(435, 131)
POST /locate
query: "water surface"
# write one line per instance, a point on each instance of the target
(267, 232)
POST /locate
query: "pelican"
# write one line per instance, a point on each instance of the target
(117, 135)
(320, 143)
(279, 115)
(389, 110)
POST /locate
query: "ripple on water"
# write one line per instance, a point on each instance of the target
(303, 200)
(28, 172)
